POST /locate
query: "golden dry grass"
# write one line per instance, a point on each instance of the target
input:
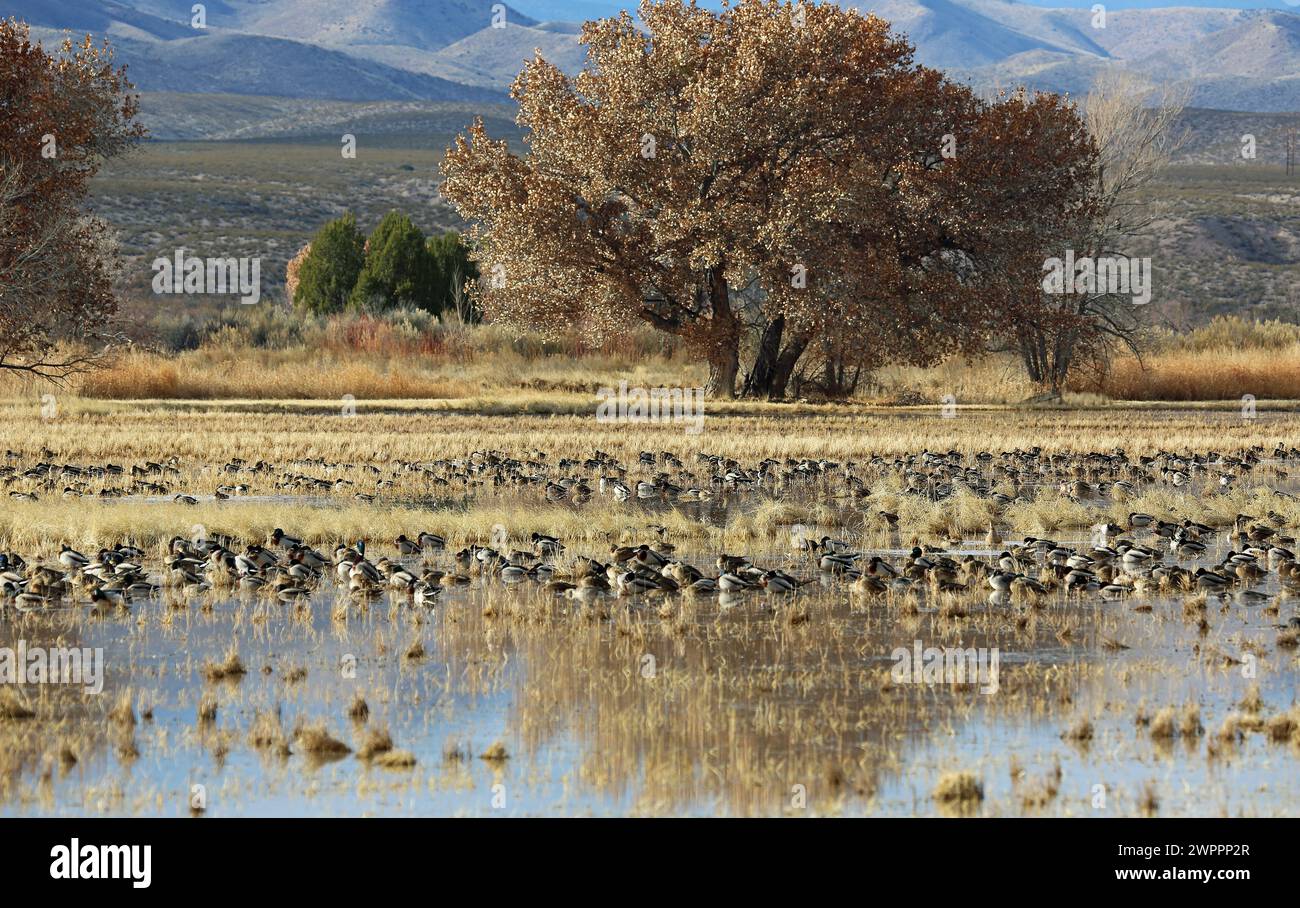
(229, 669)
(272, 376)
(274, 355)
(300, 437)
(222, 374)
(1201, 376)
(314, 739)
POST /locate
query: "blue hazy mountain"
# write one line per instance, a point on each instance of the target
(1235, 58)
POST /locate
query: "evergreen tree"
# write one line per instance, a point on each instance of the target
(329, 273)
(455, 267)
(398, 269)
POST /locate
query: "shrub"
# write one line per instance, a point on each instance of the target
(329, 273)
(398, 270)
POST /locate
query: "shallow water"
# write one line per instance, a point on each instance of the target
(763, 705)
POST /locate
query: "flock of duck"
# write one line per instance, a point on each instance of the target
(1140, 558)
(286, 568)
(665, 476)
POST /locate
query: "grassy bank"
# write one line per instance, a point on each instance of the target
(269, 354)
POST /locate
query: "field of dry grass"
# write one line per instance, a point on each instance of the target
(1226, 359)
(316, 439)
(273, 355)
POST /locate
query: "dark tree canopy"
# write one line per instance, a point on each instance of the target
(455, 268)
(398, 270)
(328, 275)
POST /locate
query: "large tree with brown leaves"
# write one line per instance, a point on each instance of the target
(61, 115)
(762, 178)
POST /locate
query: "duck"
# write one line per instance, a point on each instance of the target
(1210, 581)
(586, 594)
(72, 559)
(727, 562)
(513, 573)
(283, 540)
(731, 582)
(425, 595)
(868, 585)
(837, 564)
(647, 556)
(547, 545)
(407, 546)
(780, 582)
(683, 573)
(630, 583)
(431, 542)
(1001, 580)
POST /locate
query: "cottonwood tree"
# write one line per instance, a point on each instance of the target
(61, 115)
(1135, 127)
(778, 170)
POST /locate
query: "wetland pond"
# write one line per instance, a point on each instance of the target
(508, 701)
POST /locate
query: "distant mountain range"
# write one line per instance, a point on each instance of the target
(463, 50)
(1235, 59)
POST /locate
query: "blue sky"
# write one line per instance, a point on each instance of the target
(576, 10)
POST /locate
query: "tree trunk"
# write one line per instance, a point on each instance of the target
(722, 340)
(774, 364)
(784, 368)
(759, 381)
(724, 365)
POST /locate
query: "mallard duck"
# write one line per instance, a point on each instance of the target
(836, 564)
(1210, 581)
(1001, 580)
(586, 594)
(109, 596)
(513, 573)
(727, 562)
(647, 556)
(431, 542)
(780, 582)
(630, 583)
(731, 582)
(72, 559)
(547, 545)
(868, 585)
(681, 572)
(407, 546)
(283, 540)
(425, 595)
(879, 567)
